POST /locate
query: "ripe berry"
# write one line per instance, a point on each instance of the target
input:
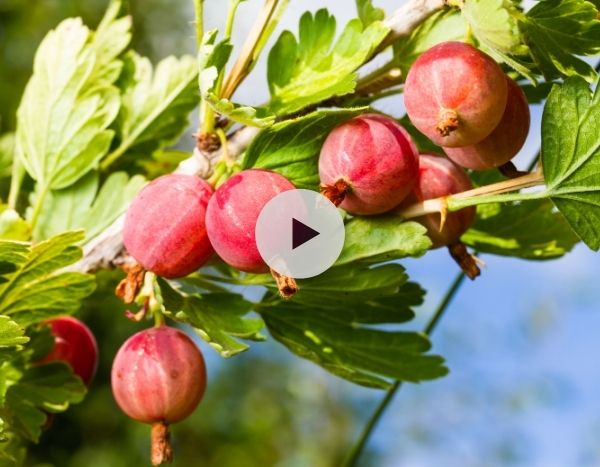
(165, 227)
(368, 165)
(159, 377)
(75, 345)
(455, 94)
(504, 142)
(439, 177)
(232, 214)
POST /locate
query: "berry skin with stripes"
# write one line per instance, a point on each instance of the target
(165, 229)
(158, 375)
(504, 142)
(233, 212)
(439, 176)
(455, 94)
(74, 344)
(368, 165)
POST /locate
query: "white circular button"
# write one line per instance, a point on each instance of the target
(300, 233)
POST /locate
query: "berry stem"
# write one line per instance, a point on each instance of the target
(160, 444)
(509, 170)
(464, 259)
(448, 122)
(159, 318)
(287, 286)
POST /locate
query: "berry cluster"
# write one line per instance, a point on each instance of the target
(455, 94)
(459, 98)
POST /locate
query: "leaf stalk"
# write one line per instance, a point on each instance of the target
(501, 192)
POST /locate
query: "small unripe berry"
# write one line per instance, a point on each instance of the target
(439, 177)
(455, 94)
(165, 227)
(233, 212)
(75, 345)
(368, 165)
(502, 144)
(158, 375)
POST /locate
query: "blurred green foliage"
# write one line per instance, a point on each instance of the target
(162, 27)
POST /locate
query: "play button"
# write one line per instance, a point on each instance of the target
(300, 233)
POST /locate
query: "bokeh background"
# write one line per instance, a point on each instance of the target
(522, 341)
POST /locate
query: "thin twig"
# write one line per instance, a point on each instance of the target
(405, 19)
(488, 193)
(245, 61)
(391, 392)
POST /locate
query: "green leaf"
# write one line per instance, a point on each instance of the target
(547, 40)
(557, 31)
(571, 156)
(13, 226)
(155, 104)
(494, 23)
(162, 162)
(82, 206)
(35, 286)
(212, 58)
(245, 115)
(292, 147)
(68, 105)
(7, 152)
(44, 388)
(11, 334)
(112, 200)
(64, 209)
(368, 13)
(217, 317)
(531, 230)
(110, 40)
(312, 69)
(445, 25)
(12, 451)
(330, 322)
(382, 238)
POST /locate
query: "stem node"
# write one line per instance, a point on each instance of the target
(161, 451)
(337, 192)
(464, 259)
(287, 285)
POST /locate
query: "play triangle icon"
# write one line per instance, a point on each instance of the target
(301, 233)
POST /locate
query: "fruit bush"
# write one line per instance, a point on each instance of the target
(95, 184)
